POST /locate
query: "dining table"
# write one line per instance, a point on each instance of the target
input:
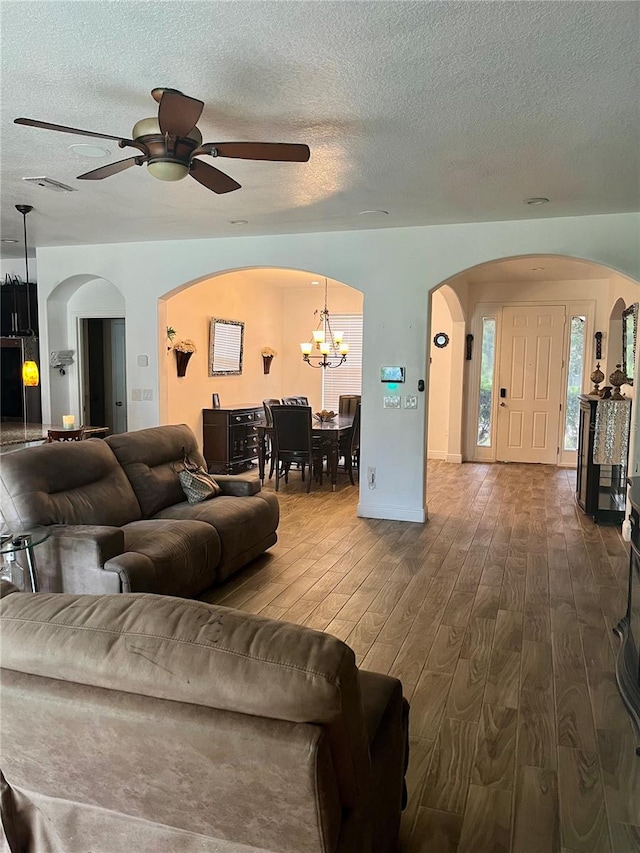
(329, 431)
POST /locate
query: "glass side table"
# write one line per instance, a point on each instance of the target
(11, 545)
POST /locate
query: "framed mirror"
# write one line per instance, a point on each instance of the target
(226, 339)
(629, 335)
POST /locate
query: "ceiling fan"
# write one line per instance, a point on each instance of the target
(171, 143)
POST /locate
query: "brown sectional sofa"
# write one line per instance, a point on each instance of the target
(153, 724)
(119, 519)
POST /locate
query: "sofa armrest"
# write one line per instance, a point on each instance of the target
(73, 558)
(238, 485)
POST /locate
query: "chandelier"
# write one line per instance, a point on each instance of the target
(30, 374)
(333, 350)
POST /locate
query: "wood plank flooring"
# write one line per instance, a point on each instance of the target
(497, 616)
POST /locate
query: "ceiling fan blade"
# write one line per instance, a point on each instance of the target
(212, 178)
(282, 151)
(111, 169)
(178, 114)
(32, 122)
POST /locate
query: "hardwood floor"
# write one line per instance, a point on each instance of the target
(497, 616)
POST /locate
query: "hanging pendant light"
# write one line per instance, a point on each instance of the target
(30, 373)
(333, 350)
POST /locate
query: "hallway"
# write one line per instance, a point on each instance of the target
(497, 617)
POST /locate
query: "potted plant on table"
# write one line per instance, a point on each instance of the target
(183, 350)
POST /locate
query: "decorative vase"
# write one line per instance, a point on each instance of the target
(182, 360)
(266, 363)
(597, 377)
(617, 378)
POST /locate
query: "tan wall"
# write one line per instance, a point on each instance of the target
(440, 381)
(273, 316)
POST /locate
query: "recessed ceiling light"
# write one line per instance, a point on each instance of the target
(371, 212)
(8, 240)
(238, 222)
(85, 149)
(540, 200)
(315, 282)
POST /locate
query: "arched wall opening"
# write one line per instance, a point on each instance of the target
(277, 306)
(78, 297)
(586, 288)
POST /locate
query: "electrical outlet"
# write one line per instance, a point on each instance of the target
(147, 393)
(371, 477)
(411, 402)
(136, 394)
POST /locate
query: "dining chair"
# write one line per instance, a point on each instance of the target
(65, 435)
(349, 446)
(266, 405)
(292, 442)
(347, 403)
(295, 401)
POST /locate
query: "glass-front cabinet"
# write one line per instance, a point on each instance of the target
(603, 438)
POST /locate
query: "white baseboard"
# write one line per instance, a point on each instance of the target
(444, 456)
(392, 513)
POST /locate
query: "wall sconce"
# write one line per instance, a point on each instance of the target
(61, 359)
(469, 347)
(598, 337)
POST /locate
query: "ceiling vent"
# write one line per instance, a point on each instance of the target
(50, 184)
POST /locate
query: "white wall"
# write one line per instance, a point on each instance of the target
(394, 268)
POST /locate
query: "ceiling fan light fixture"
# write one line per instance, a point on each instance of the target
(151, 127)
(168, 170)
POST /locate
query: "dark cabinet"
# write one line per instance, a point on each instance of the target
(18, 302)
(628, 629)
(230, 438)
(601, 489)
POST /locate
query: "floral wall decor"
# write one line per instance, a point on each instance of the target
(183, 350)
(268, 354)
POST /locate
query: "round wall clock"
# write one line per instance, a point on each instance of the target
(441, 339)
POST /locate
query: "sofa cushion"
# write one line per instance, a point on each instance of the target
(74, 482)
(240, 522)
(167, 557)
(151, 459)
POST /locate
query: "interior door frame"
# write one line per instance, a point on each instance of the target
(78, 317)
(586, 308)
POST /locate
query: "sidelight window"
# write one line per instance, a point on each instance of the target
(487, 364)
(574, 382)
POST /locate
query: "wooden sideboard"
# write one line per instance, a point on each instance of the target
(628, 629)
(230, 438)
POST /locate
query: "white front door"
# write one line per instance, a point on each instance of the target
(530, 384)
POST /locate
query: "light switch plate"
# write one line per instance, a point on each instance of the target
(391, 402)
(411, 402)
(136, 394)
(147, 393)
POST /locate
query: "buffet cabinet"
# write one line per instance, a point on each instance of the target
(628, 629)
(230, 438)
(601, 490)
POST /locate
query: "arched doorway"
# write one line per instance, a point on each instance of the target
(279, 309)
(591, 297)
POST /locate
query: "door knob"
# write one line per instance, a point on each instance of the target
(503, 404)
(118, 403)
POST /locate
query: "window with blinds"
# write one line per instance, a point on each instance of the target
(346, 379)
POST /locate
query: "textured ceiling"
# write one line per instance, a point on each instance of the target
(436, 112)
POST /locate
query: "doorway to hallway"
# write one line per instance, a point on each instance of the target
(104, 391)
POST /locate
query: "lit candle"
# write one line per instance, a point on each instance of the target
(68, 422)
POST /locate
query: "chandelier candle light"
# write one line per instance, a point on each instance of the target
(333, 350)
